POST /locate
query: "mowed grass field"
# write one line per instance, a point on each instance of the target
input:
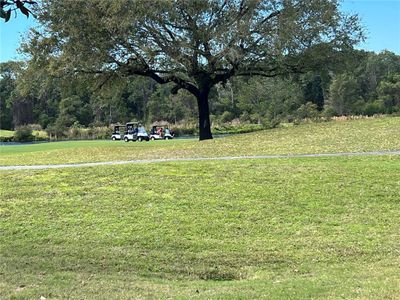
(341, 136)
(293, 228)
(6, 133)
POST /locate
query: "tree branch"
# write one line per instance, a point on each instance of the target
(269, 17)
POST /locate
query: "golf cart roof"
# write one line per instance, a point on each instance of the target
(134, 124)
(159, 124)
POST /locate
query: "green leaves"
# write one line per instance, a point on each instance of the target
(19, 5)
(5, 14)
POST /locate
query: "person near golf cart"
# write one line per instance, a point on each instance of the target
(160, 133)
(167, 131)
(135, 132)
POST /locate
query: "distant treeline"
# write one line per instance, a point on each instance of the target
(365, 84)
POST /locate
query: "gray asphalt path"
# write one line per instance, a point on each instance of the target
(159, 160)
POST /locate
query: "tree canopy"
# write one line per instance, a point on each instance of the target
(192, 44)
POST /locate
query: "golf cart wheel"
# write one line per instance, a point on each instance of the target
(113, 138)
(140, 139)
(152, 138)
(126, 139)
(166, 138)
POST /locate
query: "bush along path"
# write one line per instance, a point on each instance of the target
(160, 160)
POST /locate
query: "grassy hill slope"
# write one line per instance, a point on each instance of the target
(274, 229)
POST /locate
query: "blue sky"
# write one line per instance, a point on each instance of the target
(381, 20)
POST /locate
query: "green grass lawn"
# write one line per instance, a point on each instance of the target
(36, 133)
(310, 228)
(6, 133)
(340, 136)
(298, 228)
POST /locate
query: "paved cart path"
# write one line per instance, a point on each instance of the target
(158, 160)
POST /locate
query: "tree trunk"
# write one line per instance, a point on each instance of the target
(204, 115)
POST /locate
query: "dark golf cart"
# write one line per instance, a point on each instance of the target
(135, 132)
(161, 132)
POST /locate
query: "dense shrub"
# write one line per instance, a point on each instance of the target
(23, 134)
(188, 127)
(36, 127)
(244, 117)
(329, 112)
(98, 133)
(182, 131)
(78, 132)
(226, 116)
(374, 108)
(56, 132)
(269, 124)
(6, 139)
(307, 111)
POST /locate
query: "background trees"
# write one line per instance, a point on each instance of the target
(30, 95)
(344, 94)
(8, 81)
(191, 45)
(313, 91)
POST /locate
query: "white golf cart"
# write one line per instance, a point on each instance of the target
(161, 133)
(116, 135)
(135, 132)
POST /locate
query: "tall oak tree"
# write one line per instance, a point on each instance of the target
(194, 44)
